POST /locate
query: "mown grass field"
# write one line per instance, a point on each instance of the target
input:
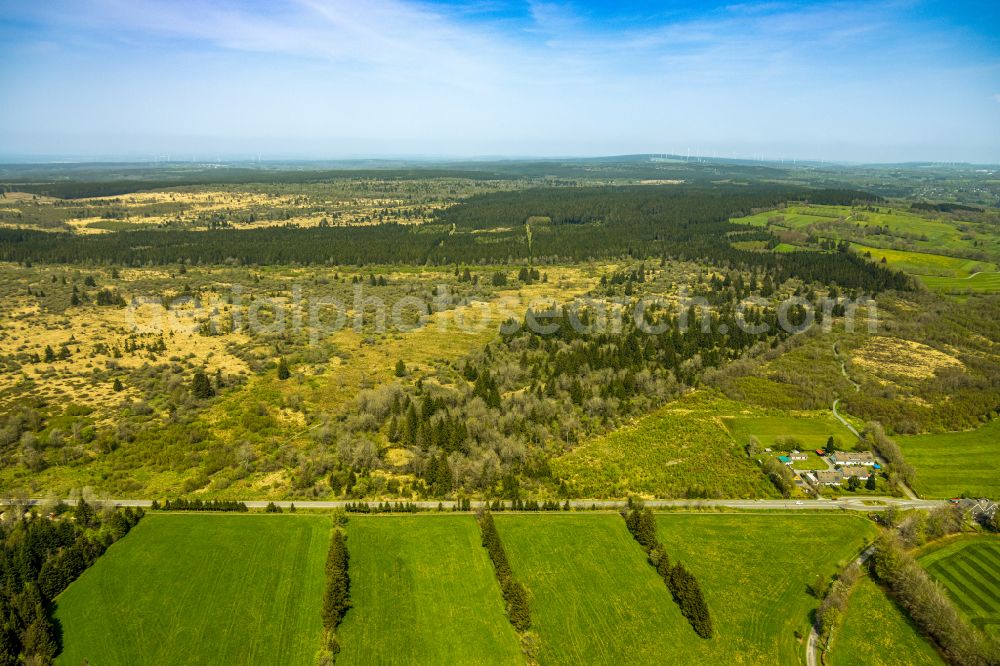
(876, 632)
(201, 589)
(793, 217)
(981, 283)
(595, 600)
(423, 592)
(753, 570)
(953, 463)
(811, 430)
(969, 568)
(923, 236)
(814, 462)
(924, 231)
(922, 263)
(680, 450)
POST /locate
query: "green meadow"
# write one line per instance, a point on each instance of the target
(246, 589)
(810, 431)
(953, 463)
(754, 570)
(792, 217)
(932, 232)
(595, 600)
(925, 264)
(423, 592)
(976, 283)
(877, 632)
(925, 237)
(201, 589)
(679, 450)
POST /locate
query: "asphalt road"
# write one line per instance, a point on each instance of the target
(852, 503)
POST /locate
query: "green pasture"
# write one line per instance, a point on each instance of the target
(955, 463)
(877, 632)
(423, 592)
(595, 600)
(674, 452)
(923, 263)
(754, 570)
(201, 589)
(805, 432)
(979, 283)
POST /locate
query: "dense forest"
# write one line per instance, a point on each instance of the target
(544, 225)
(39, 557)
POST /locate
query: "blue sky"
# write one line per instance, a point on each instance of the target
(858, 81)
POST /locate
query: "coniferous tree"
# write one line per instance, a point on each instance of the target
(201, 387)
(337, 596)
(687, 593)
(682, 584)
(514, 594)
(39, 639)
(10, 646)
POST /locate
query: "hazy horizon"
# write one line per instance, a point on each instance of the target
(861, 82)
(388, 160)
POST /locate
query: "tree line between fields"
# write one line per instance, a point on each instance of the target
(514, 595)
(682, 583)
(40, 555)
(925, 601)
(336, 591)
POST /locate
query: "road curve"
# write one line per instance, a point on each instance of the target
(844, 421)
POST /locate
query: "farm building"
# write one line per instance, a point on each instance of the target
(852, 458)
(862, 472)
(977, 508)
(829, 478)
(798, 455)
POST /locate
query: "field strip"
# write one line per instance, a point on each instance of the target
(985, 574)
(978, 592)
(957, 584)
